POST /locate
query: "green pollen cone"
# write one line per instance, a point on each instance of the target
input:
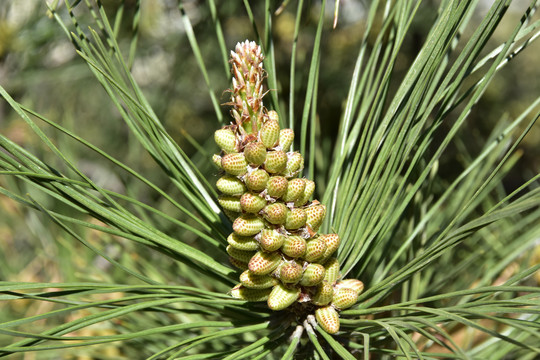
(246, 243)
(269, 133)
(328, 318)
(282, 297)
(263, 263)
(296, 218)
(252, 203)
(231, 185)
(257, 180)
(315, 216)
(307, 194)
(295, 163)
(254, 295)
(332, 270)
(255, 153)
(286, 138)
(275, 213)
(294, 246)
(332, 243)
(313, 275)
(295, 188)
(240, 255)
(324, 294)
(234, 164)
(315, 250)
(277, 186)
(344, 298)
(276, 162)
(252, 281)
(248, 225)
(354, 284)
(231, 203)
(226, 140)
(271, 240)
(290, 272)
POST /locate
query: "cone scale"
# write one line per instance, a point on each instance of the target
(275, 240)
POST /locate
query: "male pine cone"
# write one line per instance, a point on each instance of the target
(275, 240)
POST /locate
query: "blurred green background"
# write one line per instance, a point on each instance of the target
(40, 68)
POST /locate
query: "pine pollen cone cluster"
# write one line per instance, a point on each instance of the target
(275, 240)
